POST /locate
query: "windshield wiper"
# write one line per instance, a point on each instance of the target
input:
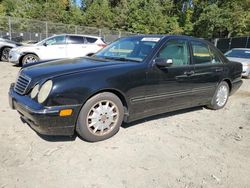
(121, 59)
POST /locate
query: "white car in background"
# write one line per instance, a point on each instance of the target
(57, 47)
(241, 55)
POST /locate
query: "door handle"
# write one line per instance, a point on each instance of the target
(188, 73)
(219, 69)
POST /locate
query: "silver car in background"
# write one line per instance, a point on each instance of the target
(5, 47)
(241, 55)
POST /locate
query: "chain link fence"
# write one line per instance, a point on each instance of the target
(225, 44)
(20, 29)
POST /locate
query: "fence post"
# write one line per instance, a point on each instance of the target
(229, 46)
(247, 42)
(46, 29)
(120, 34)
(10, 29)
(100, 32)
(216, 42)
(76, 29)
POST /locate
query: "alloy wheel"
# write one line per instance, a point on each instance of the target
(5, 54)
(102, 117)
(30, 59)
(222, 95)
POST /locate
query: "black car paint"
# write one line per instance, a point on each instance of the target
(144, 88)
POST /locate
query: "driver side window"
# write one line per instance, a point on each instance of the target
(55, 40)
(177, 51)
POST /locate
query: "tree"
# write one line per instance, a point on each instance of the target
(201, 18)
(147, 16)
(121, 11)
(98, 14)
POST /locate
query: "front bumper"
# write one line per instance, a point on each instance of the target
(44, 120)
(246, 71)
(14, 57)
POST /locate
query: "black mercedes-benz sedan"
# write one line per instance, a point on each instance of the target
(132, 78)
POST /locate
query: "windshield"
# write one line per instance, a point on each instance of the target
(238, 54)
(41, 42)
(129, 49)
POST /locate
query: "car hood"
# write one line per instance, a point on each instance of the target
(11, 44)
(24, 48)
(56, 68)
(240, 60)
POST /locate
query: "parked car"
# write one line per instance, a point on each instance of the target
(5, 47)
(57, 47)
(132, 78)
(241, 55)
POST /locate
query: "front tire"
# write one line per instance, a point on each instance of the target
(220, 97)
(29, 58)
(5, 54)
(100, 118)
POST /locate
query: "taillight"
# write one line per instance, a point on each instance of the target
(102, 45)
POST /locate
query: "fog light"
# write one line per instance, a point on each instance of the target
(65, 112)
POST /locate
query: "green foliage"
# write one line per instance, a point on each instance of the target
(210, 18)
(99, 14)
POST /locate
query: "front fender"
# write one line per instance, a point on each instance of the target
(78, 88)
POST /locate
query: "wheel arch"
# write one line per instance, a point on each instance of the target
(228, 81)
(118, 93)
(1, 49)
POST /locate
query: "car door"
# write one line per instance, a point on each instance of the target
(169, 87)
(208, 71)
(53, 48)
(76, 46)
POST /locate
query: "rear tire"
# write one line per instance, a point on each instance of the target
(100, 118)
(220, 97)
(29, 58)
(5, 54)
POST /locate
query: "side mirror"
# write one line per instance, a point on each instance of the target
(90, 54)
(45, 44)
(162, 62)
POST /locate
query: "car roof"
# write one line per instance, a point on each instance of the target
(164, 36)
(77, 35)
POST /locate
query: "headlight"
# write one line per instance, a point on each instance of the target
(44, 91)
(34, 91)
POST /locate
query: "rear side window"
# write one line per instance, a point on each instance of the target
(75, 40)
(201, 54)
(214, 56)
(102, 39)
(91, 40)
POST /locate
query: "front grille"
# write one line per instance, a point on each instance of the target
(22, 84)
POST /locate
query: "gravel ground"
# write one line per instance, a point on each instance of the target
(189, 148)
